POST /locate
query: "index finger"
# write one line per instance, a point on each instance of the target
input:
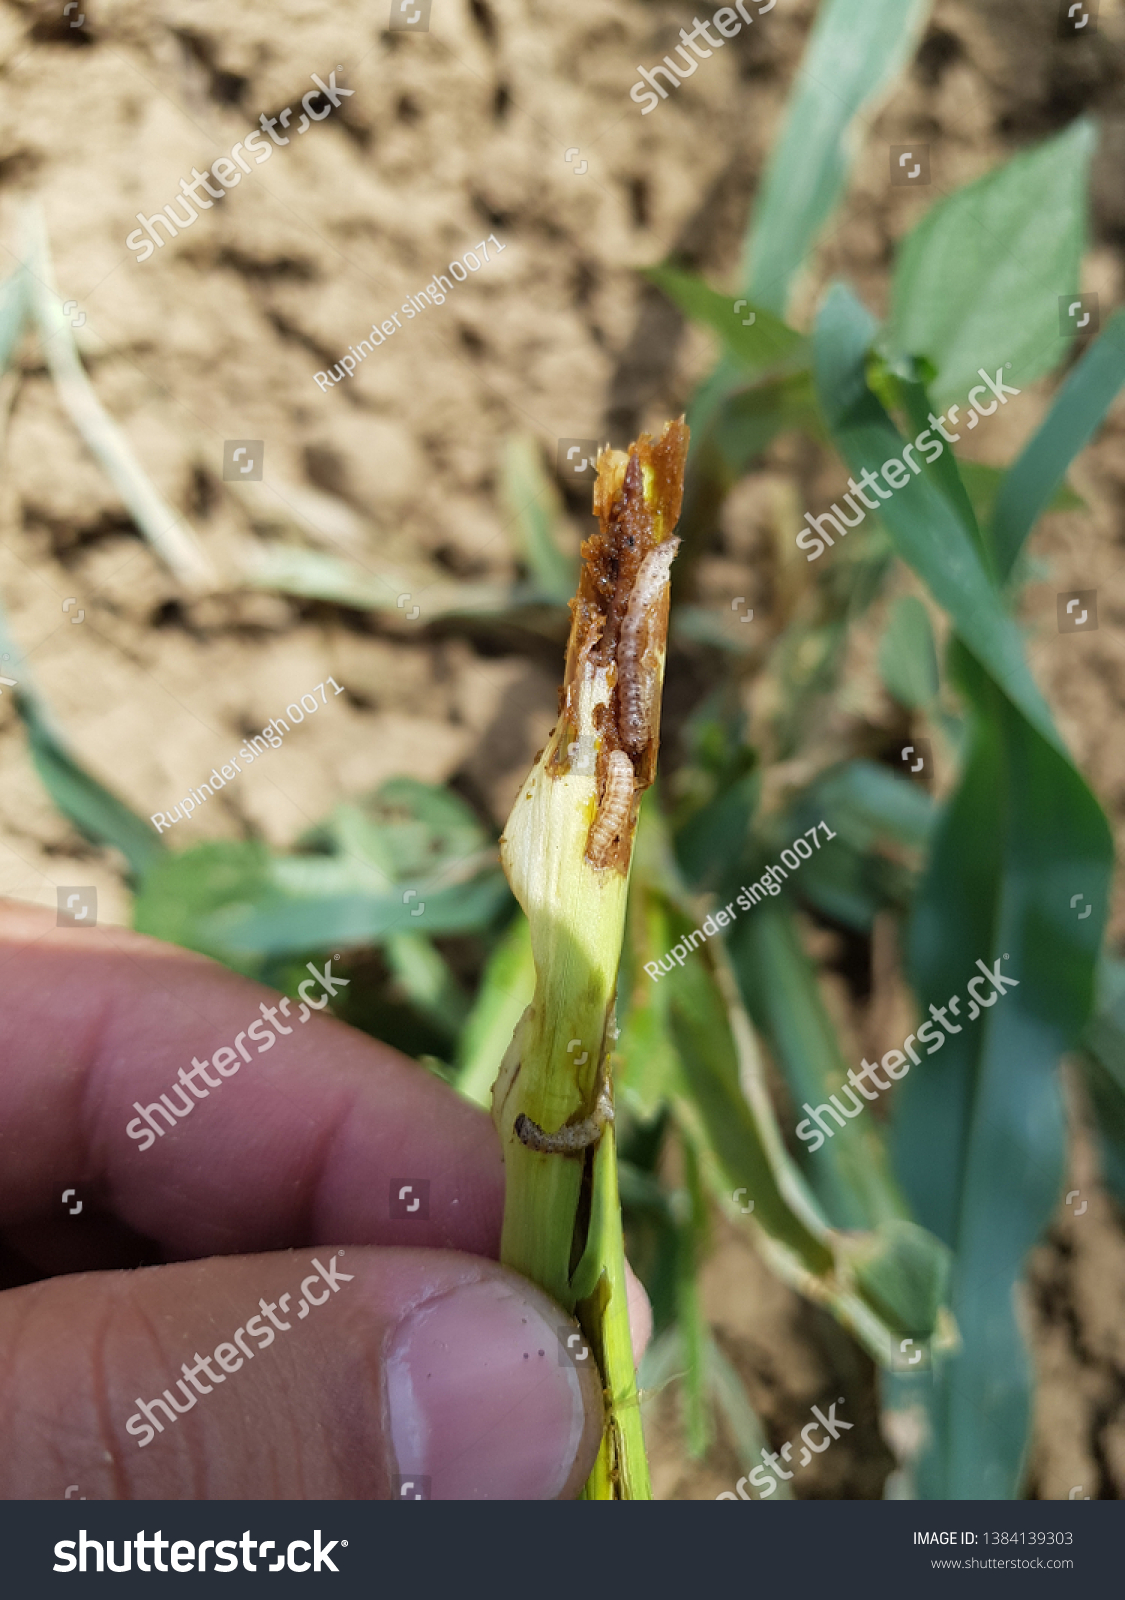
(106, 1036)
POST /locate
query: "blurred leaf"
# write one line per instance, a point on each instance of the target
(981, 1136)
(903, 1271)
(314, 575)
(849, 1174)
(14, 309)
(732, 1403)
(768, 343)
(867, 802)
(535, 513)
(406, 829)
(280, 924)
(983, 485)
(506, 991)
(410, 859)
(1078, 410)
(168, 533)
(977, 282)
(855, 50)
(926, 530)
(427, 982)
(97, 813)
(907, 656)
(1103, 1063)
(690, 1319)
(750, 418)
(180, 891)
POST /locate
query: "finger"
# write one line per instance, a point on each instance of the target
(307, 1140)
(640, 1314)
(305, 1375)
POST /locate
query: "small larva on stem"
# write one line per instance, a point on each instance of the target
(636, 686)
(574, 1137)
(613, 813)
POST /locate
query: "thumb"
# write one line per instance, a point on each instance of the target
(314, 1374)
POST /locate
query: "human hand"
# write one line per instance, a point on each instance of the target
(413, 1356)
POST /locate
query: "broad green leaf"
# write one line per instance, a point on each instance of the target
(926, 530)
(1032, 484)
(757, 339)
(855, 51)
(534, 513)
(907, 655)
(980, 1132)
(977, 282)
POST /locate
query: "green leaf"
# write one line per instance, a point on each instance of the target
(907, 655)
(980, 1133)
(868, 803)
(855, 50)
(1103, 1062)
(766, 344)
(983, 485)
(427, 982)
(1031, 486)
(97, 813)
(977, 282)
(180, 892)
(925, 528)
(849, 1173)
(278, 924)
(904, 1272)
(535, 513)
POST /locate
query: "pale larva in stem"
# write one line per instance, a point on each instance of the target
(636, 678)
(576, 1136)
(613, 813)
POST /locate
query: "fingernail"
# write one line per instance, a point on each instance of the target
(481, 1404)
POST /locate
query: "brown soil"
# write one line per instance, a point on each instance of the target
(450, 136)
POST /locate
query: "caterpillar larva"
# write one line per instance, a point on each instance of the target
(574, 1137)
(636, 675)
(613, 813)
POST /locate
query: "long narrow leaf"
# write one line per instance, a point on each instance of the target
(855, 50)
(1076, 413)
